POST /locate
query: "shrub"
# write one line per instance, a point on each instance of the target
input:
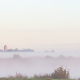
(60, 73)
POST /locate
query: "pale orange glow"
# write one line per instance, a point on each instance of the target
(5, 48)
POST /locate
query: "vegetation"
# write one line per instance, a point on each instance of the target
(59, 73)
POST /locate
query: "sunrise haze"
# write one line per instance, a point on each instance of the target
(40, 24)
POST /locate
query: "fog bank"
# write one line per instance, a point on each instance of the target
(38, 65)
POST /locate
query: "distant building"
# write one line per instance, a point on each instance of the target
(5, 48)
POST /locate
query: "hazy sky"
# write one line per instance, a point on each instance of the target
(38, 23)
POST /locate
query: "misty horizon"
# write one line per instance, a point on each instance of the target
(39, 36)
(38, 65)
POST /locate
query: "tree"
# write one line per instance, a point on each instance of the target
(60, 73)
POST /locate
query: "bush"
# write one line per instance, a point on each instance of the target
(60, 73)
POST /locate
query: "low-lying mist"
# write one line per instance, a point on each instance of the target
(38, 65)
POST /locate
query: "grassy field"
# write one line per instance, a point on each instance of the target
(33, 79)
(20, 79)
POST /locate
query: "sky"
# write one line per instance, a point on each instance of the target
(40, 24)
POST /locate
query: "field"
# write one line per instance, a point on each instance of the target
(35, 79)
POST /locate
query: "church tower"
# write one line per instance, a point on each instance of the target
(5, 48)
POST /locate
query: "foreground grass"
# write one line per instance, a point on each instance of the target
(33, 79)
(19, 79)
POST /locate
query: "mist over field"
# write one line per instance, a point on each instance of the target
(39, 36)
(38, 63)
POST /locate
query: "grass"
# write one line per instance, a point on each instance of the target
(32, 79)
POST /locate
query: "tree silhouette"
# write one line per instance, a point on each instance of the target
(60, 73)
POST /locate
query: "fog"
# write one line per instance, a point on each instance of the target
(38, 63)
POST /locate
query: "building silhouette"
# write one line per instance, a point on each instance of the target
(5, 48)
